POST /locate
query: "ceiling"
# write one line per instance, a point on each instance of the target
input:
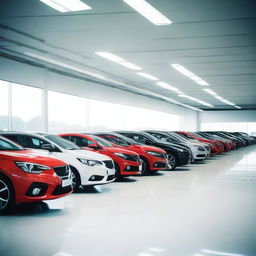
(216, 40)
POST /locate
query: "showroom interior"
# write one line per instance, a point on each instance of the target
(162, 76)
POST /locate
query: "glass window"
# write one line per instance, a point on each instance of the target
(106, 116)
(4, 105)
(252, 128)
(26, 108)
(66, 113)
(7, 145)
(238, 127)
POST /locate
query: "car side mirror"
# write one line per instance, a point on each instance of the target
(48, 147)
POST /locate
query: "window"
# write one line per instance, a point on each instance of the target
(4, 105)
(26, 108)
(31, 142)
(106, 116)
(66, 113)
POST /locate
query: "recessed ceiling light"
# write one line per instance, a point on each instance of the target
(148, 76)
(67, 5)
(149, 12)
(112, 57)
(210, 92)
(167, 86)
(194, 99)
(189, 74)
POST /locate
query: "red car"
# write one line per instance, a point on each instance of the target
(26, 177)
(126, 162)
(153, 158)
(216, 147)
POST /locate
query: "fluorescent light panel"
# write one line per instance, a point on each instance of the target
(194, 99)
(112, 57)
(210, 92)
(148, 76)
(67, 5)
(168, 87)
(189, 74)
(149, 12)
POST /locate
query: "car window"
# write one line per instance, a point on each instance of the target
(7, 145)
(81, 142)
(116, 140)
(137, 137)
(31, 142)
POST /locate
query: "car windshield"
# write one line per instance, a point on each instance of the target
(102, 141)
(8, 145)
(65, 144)
(116, 140)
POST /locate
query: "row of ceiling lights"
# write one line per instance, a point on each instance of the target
(153, 15)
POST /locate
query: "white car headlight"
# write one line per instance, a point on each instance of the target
(32, 167)
(89, 162)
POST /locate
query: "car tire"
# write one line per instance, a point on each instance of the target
(118, 173)
(172, 162)
(76, 180)
(145, 166)
(7, 195)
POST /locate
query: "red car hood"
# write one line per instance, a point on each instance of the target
(30, 156)
(119, 150)
(147, 148)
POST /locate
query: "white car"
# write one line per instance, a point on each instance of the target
(87, 168)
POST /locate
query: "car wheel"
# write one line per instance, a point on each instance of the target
(6, 195)
(76, 180)
(172, 162)
(145, 166)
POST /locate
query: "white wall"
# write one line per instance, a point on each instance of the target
(38, 77)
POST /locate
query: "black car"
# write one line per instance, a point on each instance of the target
(169, 139)
(177, 155)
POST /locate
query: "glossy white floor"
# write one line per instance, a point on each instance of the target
(206, 209)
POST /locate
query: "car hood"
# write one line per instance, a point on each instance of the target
(30, 156)
(148, 148)
(119, 150)
(87, 154)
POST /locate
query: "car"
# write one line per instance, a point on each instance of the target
(153, 158)
(87, 168)
(126, 162)
(177, 155)
(26, 177)
(228, 144)
(216, 147)
(197, 150)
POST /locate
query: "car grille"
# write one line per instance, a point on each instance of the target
(134, 158)
(109, 164)
(62, 171)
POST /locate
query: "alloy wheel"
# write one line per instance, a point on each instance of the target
(4, 195)
(171, 162)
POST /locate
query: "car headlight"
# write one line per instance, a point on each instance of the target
(154, 153)
(32, 167)
(89, 162)
(124, 156)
